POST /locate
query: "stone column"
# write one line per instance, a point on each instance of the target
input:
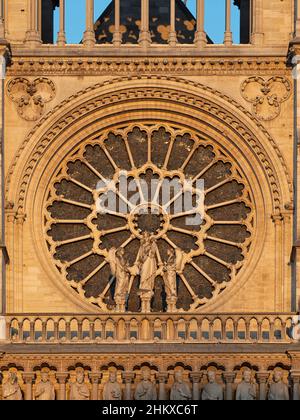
(28, 379)
(162, 379)
(95, 378)
(62, 378)
(287, 239)
(18, 262)
(56, 331)
(298, 19)
(92, 331)
(262, 378)
(257, 19)
(2, 24)
(200, 38)
(128, 378)
(32, 331)
(89, 39)
(172, 35)
(68, 331)
(229, 378)
(117, 38)
(196, 378)
(33, 37)
(3, 329)
(20, 328)
(228, 33)
(145, 38)
(296, 381)
(278, 220)
(61, 38)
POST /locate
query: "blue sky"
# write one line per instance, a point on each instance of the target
(214, 18)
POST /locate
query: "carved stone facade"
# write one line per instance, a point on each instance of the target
(151, 377)
(209, 307)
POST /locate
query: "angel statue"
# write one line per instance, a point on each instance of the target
(171, 268)
(121, 270)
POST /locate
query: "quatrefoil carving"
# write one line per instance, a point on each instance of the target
(30, 97)
(266, 96)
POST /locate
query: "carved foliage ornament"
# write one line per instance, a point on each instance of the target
(80, 238)
(30, 97)
(266, 96)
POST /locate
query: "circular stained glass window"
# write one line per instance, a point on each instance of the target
(159, 182)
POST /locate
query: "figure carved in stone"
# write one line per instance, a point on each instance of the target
(79, 390)
(170, 280)
(180, 390)
(145, 390)
(246, 390)
(112, 389)
(44, 390)
(121, 271)
(212, 391)
(148, 269)
(172, 267)
(279, 391)
(11, 388)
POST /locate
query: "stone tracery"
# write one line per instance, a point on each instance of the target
(209, 254)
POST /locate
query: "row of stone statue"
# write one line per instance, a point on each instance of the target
(146, 389)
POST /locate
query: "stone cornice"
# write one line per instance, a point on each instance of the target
(129, 50)
(78, 65)
(259, 349)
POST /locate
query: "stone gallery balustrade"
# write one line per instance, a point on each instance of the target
(201, 328)
(116, 383)
(33, 34)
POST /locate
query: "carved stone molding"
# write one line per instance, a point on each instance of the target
(30, 97)
(266, 96)
(171, 95)
(153, 65)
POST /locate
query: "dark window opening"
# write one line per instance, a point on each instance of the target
(47, 23)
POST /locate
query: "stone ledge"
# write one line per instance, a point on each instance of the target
(150, 348)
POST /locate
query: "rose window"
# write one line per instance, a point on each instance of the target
(159, 182)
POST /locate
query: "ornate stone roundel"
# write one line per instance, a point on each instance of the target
(111, 229)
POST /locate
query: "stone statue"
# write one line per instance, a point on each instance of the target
(148, 269)
(180, 390)
(44, 390)
(79, 389)
(246, 390)
(112, 390)
(121, 271)
(171, 268)
(212, 391)
(279, 391)
(11, 388)
(145, 390)
(170, 280)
